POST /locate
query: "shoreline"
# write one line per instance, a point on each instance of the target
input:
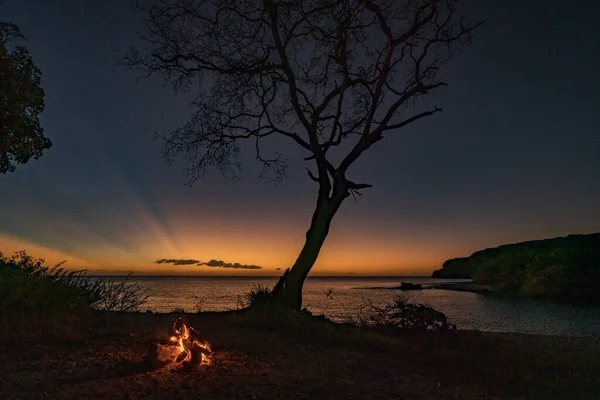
(488, 290)
(455, 286)
(462, 287)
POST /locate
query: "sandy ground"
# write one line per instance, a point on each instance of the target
(255, 359)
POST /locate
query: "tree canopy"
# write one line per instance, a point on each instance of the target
(21, 102)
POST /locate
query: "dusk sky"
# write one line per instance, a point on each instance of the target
(514, 156)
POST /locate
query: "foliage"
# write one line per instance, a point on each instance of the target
(21, 102)
(455, 268)
(566, 267)
(27, 286)
(257, 297)
(400, 313)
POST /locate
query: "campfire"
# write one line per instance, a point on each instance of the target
(185, 348)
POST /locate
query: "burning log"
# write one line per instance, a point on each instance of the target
(188, 350)
(201, 353)
(159, 355)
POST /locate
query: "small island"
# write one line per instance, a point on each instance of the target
(565, 268)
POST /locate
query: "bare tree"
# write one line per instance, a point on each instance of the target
(323, 73)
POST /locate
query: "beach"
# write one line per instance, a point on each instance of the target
(262, 357)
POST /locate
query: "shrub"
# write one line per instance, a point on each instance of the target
(258, 297)
(400, 313)
(28, 286)
(110, 295)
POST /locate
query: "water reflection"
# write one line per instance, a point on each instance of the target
(466, 310)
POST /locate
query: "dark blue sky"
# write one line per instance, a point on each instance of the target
(514, 156)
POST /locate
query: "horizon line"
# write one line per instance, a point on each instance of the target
(256, 276)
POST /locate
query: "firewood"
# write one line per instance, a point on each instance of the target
(159, 355)
(198, 354)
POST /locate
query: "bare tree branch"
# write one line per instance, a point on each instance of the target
(311, 176)
(329, 75)
(412, 119)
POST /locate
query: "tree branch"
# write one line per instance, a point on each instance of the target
(311, 176)
(272, 10)
(329, 75)
(411, 119)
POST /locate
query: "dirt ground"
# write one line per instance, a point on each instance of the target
(308, 359)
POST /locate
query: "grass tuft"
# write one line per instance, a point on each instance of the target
(258, 297)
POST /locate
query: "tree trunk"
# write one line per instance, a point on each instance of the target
(288, 291)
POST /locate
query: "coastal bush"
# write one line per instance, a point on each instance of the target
(113, 295)
(27, 285)
(401, 313)
(43, 299)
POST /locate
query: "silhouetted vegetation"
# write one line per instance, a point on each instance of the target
(113, 295)
(258, 297)
(401, 313)
(455, 268)
(312, 72)
(29, 285)
(41, 299)
(566, 268)
(21, 102)
(392, 351)
(199, 303)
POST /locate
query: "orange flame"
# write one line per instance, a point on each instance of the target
(188, 345)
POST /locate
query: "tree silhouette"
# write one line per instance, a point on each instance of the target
(328, 75)
(21, 100)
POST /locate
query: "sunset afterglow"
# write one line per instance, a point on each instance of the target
(463, 180)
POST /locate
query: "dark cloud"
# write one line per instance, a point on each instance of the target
(176, 261)
(211, 263)
(277, 269)
(223, 264)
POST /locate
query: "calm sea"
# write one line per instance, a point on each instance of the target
(339, 296)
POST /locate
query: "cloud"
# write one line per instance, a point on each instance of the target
(277, 269)
(176, 261)
(223, 264)
(211, 263)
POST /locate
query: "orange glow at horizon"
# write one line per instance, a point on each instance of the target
(133, 238)
(273, 252)
(11, 245)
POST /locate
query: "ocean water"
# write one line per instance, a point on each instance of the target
(337, 297)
